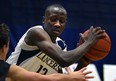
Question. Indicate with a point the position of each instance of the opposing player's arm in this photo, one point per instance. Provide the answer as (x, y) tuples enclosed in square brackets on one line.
[(17, 73), (41, 39)]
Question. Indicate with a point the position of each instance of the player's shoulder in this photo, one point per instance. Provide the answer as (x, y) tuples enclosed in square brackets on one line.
[(4, 65), (37, 27), (36, 31)]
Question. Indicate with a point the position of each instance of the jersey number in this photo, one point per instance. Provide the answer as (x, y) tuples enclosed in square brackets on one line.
[(45, 70)]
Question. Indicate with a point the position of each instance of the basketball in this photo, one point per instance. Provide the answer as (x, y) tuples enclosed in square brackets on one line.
[(100, 49)]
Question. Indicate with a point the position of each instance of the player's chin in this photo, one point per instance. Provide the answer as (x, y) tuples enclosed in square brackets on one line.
[(56, 33)]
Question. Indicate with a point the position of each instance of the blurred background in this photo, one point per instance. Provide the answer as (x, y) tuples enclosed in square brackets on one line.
[(20, 15)]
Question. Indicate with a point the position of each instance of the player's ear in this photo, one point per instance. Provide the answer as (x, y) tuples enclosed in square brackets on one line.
[(43, 19)]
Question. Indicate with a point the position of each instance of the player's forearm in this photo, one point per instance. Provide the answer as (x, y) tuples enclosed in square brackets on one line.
[(52, 77), (60, 77), (32, 76), (64, 58), (74, 55)]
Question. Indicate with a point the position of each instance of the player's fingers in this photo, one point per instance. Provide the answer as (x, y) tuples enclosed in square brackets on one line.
[(81, 35), (87, 72), (89, 77), (83, 69), (91, 29), (100, 31), (97, 29)]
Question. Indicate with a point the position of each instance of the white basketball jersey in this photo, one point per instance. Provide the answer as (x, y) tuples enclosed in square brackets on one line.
[(33, 59)]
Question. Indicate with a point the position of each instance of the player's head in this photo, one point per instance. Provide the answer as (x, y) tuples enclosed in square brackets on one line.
[(4, 40), (55, 19)]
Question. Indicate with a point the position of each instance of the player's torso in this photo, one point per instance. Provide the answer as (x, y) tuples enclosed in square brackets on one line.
[(41, 63), (37, 61), (33, 59)]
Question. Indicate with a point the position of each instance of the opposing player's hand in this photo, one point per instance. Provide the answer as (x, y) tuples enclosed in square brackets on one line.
[(80, 75)]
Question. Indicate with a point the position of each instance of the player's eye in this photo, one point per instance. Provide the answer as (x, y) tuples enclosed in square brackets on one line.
[(62, 21), (53, 19)]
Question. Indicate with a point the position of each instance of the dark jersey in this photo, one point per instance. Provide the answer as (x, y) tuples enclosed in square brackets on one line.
[(4, 68)]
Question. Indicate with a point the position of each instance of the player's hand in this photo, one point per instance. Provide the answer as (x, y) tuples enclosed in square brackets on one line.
[(80, 75), (93, 35)]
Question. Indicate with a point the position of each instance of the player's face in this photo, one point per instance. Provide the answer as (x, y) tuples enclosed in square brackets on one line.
[(55, 21)]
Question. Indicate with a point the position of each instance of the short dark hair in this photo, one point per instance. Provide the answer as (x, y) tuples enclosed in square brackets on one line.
[(55, 5), (4, 35)]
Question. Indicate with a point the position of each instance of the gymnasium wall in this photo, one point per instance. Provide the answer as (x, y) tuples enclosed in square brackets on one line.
[(22, 14)]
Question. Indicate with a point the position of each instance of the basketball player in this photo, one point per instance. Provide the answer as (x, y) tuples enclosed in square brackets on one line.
[(38, 50), (15, 73)]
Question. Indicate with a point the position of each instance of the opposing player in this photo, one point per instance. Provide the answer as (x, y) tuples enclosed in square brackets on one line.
[(15, 73), (38, 49)]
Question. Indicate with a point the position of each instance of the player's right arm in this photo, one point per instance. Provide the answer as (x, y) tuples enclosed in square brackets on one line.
[(40, 38), (17, 73)]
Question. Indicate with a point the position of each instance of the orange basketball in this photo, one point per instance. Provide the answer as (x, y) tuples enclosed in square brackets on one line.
[(100, 49)]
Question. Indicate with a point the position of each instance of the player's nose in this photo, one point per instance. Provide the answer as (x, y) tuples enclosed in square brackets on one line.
[(57, 24)]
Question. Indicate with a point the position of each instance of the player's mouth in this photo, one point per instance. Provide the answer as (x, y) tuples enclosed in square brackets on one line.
[(56, 31)]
